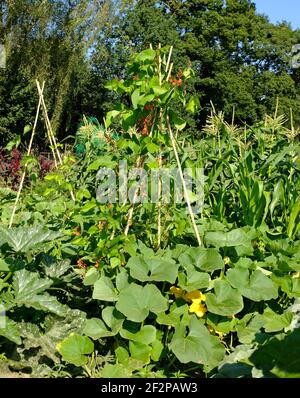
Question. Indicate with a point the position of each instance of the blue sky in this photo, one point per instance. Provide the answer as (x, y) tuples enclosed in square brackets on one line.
[(278, 10)]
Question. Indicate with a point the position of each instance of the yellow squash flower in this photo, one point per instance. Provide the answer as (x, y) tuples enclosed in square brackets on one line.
[(198, 308), (194, 295), (176, 291)]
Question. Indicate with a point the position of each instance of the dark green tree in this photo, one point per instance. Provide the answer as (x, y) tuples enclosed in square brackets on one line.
[(241, 60)]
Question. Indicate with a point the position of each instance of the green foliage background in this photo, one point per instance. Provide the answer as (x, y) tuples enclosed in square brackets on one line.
[(241, 60)]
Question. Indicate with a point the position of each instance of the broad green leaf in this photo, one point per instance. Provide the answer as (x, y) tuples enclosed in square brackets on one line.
[(45, 302), (74, 349), (256, 287), (248, 328), (27, 288), (9, 330), (146, 55), (193, 104), (146, 335), (91, 277), (122, 355), (11, 264), (153, 269), (25, 238), (117, 371), (104, 290), (54, 330), (225, 300), (86, 208), (83, 194), (114, 262), (54, 268), (112, 84), (177, 121), (234, 365), (279, 356), (171, 319), (110, 117), (157, 349), (193, 280), (103, 161), (137, 99), (15, 142), (113, 319), (140, 351), (204, 259), (274, 322), (26, 284), (236, 237), (198, 346), (288, 264), (122, 280), (160, 90), (96, 329), (135, 302)]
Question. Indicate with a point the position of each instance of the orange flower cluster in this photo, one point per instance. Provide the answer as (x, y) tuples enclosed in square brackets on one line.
[(81, 264), (76, 231), (177, 82), (148, 120)]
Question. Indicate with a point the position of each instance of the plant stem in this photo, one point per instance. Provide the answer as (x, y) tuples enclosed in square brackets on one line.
[(7, 277)]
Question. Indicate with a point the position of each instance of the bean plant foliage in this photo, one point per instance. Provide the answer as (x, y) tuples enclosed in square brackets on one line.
[(82, 298)]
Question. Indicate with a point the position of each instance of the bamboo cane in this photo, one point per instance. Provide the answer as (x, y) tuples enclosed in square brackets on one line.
[(48, 124), (28, 153), (130, 213), (187, 199), (51, 134)]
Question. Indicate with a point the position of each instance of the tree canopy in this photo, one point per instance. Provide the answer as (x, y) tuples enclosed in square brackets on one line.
[(242, 61)]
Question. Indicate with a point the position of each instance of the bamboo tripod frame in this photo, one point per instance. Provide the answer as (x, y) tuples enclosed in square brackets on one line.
[(53, 144)]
